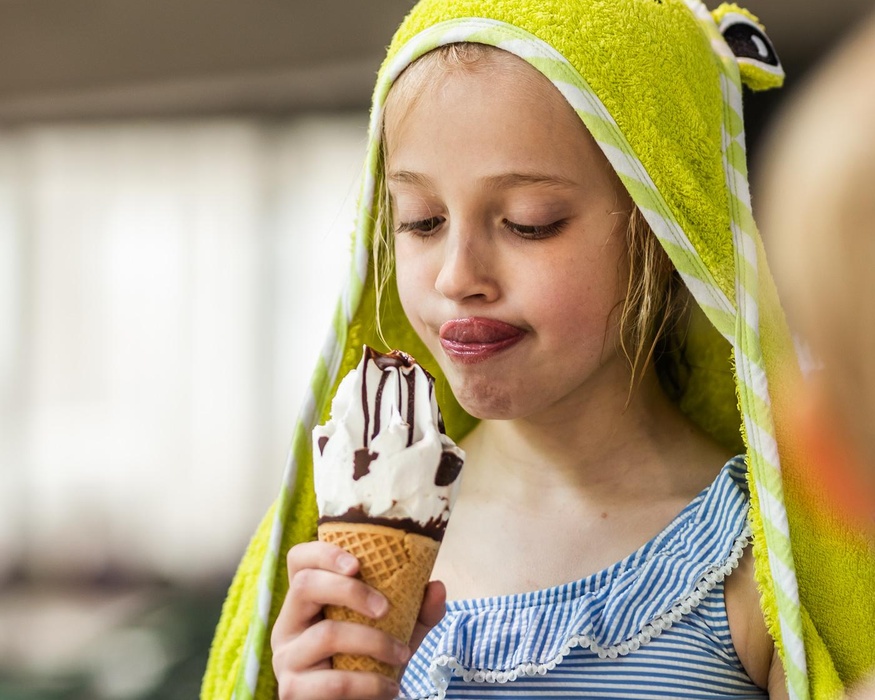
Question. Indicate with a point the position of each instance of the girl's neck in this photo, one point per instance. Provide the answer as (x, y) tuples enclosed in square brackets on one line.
[(593, 444)]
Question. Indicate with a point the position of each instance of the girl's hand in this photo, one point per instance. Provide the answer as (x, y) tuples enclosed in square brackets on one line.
[(303, 641)]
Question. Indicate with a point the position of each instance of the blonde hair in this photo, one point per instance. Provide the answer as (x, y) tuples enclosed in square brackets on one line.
[(819, 226), (651, 318)]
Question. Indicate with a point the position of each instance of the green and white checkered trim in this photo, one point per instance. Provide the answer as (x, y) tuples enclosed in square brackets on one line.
[(741, 329), (763, 459)]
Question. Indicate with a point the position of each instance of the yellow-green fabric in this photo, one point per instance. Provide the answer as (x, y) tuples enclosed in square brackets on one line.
[(650, 80)]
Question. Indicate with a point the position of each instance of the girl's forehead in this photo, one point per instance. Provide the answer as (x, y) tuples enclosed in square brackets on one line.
[(496, 126), (487, 93), (479, 65)]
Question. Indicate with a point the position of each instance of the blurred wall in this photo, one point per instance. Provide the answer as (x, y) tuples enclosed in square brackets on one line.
[(63, 59), (170, 287)]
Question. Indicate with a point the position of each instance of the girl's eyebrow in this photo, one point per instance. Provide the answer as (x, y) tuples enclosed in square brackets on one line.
[(406, 177), (497, 182), (509, 180)]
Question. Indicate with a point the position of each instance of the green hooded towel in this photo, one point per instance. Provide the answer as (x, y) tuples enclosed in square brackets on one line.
[(658, 84)]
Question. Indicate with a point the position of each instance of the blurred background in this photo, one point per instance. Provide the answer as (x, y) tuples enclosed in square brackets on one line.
[(177, 181)]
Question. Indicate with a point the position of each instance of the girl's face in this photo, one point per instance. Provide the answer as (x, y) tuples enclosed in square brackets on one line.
[(510, 245)]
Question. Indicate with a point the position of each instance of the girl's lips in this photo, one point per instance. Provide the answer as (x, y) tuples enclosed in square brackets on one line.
[(470, 340)]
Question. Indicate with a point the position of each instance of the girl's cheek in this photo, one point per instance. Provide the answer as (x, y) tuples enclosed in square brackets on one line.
[(414, 265), (411, 281)]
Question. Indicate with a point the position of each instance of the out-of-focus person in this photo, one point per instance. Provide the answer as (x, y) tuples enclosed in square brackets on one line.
[(818, 211)]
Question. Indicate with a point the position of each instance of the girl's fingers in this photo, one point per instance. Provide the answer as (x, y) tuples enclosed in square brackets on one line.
[(324, 639), (323, 574), (432, 611), (312, 589), (320, 555), (337, 685)]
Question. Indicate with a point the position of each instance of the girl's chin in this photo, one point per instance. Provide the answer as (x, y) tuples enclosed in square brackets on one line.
[(489, 414), (485, 393), (484, 401)]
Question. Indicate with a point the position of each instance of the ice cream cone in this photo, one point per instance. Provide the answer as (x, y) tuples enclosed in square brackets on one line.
[(395, 562), (386, 476)]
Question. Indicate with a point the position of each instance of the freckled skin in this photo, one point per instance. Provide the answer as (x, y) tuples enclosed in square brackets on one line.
[(560, 289)]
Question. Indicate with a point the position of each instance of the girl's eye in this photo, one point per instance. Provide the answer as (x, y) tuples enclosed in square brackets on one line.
[(422, 228), (535, 232)]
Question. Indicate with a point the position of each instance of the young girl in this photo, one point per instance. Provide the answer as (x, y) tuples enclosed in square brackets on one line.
[(548, 184)]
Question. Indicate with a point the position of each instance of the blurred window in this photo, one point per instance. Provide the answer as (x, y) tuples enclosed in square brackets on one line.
[(165, 289)]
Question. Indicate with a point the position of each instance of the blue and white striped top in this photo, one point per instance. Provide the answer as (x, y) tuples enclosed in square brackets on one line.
[(653, 625)]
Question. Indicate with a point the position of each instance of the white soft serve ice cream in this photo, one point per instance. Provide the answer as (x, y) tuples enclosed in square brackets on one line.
[(384, 456)]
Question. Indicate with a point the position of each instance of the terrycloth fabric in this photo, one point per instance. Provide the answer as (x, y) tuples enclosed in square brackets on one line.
[(659, 88), (659, 613)]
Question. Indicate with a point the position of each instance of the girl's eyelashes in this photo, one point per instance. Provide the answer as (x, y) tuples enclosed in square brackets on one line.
[(535, 232), (422, 228)]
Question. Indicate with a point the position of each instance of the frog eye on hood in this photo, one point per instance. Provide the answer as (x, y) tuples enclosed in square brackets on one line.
[(747, 40), (758, 61)]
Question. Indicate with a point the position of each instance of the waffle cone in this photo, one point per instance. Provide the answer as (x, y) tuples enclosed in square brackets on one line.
[(395, 562)]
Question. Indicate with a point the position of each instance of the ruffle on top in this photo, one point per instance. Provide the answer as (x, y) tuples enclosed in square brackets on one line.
[(613, 612)]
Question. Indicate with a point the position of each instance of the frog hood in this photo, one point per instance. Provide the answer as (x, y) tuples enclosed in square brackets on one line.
[(658, 83)]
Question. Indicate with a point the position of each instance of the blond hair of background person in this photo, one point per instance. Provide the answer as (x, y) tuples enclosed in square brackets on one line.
[(818, 214)]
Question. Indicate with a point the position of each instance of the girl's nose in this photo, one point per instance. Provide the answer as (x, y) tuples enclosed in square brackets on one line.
[(468, 269)]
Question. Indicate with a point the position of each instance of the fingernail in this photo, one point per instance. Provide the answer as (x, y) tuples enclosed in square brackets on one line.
[(402, 653), (378, 604), (393, 688), (346, 563)]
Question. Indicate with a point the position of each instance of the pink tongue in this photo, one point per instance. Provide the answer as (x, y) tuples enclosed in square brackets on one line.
[(478, 335), (481, 333)]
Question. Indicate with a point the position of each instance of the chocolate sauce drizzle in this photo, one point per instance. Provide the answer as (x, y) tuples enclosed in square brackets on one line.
[(411, 391), (433, 528), (362, 463), (377, 403), (448, 470), (393, 360), (322, 442), (450, 465), (388, 360)]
